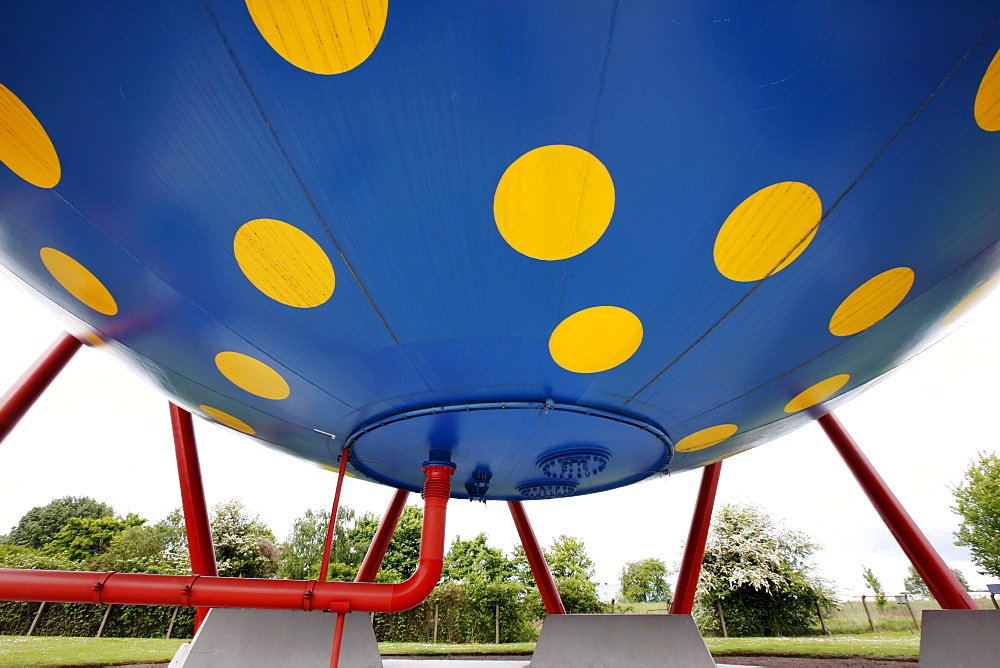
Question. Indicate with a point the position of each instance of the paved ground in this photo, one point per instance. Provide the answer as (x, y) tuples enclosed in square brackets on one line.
[(520, 661)]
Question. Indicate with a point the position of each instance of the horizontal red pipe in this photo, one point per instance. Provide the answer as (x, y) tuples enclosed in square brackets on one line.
[(694, 549), (26, 390), (945, 587), (380, 543), (219, 592)]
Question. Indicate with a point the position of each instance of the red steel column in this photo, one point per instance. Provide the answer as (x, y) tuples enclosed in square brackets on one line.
[(694, 549), (331, 529), (380, 543), (536, 560), (940, 580), (199, 532), (26, 390)]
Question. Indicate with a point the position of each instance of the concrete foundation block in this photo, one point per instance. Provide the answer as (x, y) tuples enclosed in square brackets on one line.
[(960, 639), (612, 641), (268, 638)]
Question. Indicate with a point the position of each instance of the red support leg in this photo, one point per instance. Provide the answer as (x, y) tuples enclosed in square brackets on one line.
[(694, 549), (199, 532), (331, 530), (380, 543), (940, 580), (23, 394), (536, 560), (338, 636)]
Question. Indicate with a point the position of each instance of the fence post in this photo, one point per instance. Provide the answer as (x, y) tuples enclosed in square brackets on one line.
[(38, 615), (435, 623), (906, 599), (498, 624), (104, 620), (868, 614), (822, 624), (173, 618), (722, 618)]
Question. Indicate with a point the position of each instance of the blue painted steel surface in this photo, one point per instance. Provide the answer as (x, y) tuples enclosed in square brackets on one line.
[(176, 123)]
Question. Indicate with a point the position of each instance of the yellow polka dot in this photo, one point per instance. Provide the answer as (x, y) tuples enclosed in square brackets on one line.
[(284, 263), (595, 339), (336, 470), (874, 300), (321, 36), (767, 231), (726, 456), (818, 393), (227, 419), (987, 108), (25, 147), (705, 438), (554, 202), (252, 375), (92, 339), (78, 281), (970, 300)]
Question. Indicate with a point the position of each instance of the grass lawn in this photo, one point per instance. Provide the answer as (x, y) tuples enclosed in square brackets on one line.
[(49, 651)]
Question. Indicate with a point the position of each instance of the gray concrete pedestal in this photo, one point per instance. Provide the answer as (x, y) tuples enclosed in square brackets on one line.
[(960, 639), (268, 638), (612, 641)]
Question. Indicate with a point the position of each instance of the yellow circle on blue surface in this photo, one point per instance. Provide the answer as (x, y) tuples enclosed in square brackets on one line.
[(817, 394), (873, 300), (225, 418), (987, 106), (284, 263), (595, 339), (78, 281), (767, 231), (252, 375), (705, 438), (321, 36), (554, 202), (969, 301), (25, 147)]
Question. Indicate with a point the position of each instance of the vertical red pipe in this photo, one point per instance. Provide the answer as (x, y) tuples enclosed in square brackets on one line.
[(940, 580), (380, 543), (536, 560), (331, 529), (694, 549), (26, 390), (199, 531), (338, 636)]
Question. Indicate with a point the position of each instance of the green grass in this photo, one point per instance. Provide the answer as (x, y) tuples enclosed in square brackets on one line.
[(50, 651), (872, 645), (388, 648)]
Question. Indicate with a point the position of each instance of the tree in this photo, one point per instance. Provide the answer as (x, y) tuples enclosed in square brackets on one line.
[(141, 549), (914, 585), (644, 581), (40, 524), (977, 501), (759, 574), (401, 557), (302, 551), (244, 546), (473, 561), (568, 559), (19, 556), (83, 538), (876, 586)]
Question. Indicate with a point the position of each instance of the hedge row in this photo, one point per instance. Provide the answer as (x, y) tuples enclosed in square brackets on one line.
[(84, 619)]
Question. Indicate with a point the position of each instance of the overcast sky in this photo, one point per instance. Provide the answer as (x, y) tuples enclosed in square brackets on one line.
[(102, 431)]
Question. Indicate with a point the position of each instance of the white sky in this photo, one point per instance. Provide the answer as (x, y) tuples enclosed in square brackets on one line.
[(102, 431)]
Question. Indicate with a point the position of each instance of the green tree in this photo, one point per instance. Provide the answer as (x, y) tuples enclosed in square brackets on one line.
[(19, 556), (977, 501), (39, 525), (876, 586), (302, 552), (141, 549), (644, 581), (403, 553), (568, 560), (914, 585), (759, 574), (473, 561), (83, 538), (244, 546)]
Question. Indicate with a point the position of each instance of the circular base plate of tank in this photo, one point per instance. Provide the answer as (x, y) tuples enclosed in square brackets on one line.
[(515, 450)]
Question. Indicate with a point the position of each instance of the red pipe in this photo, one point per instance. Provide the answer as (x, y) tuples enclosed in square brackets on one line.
[(218, 592), (694, 549), (199, 532), (338, 636), (945, 587), (536, 560), (331, 529), (26, 390), (380, 543)]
